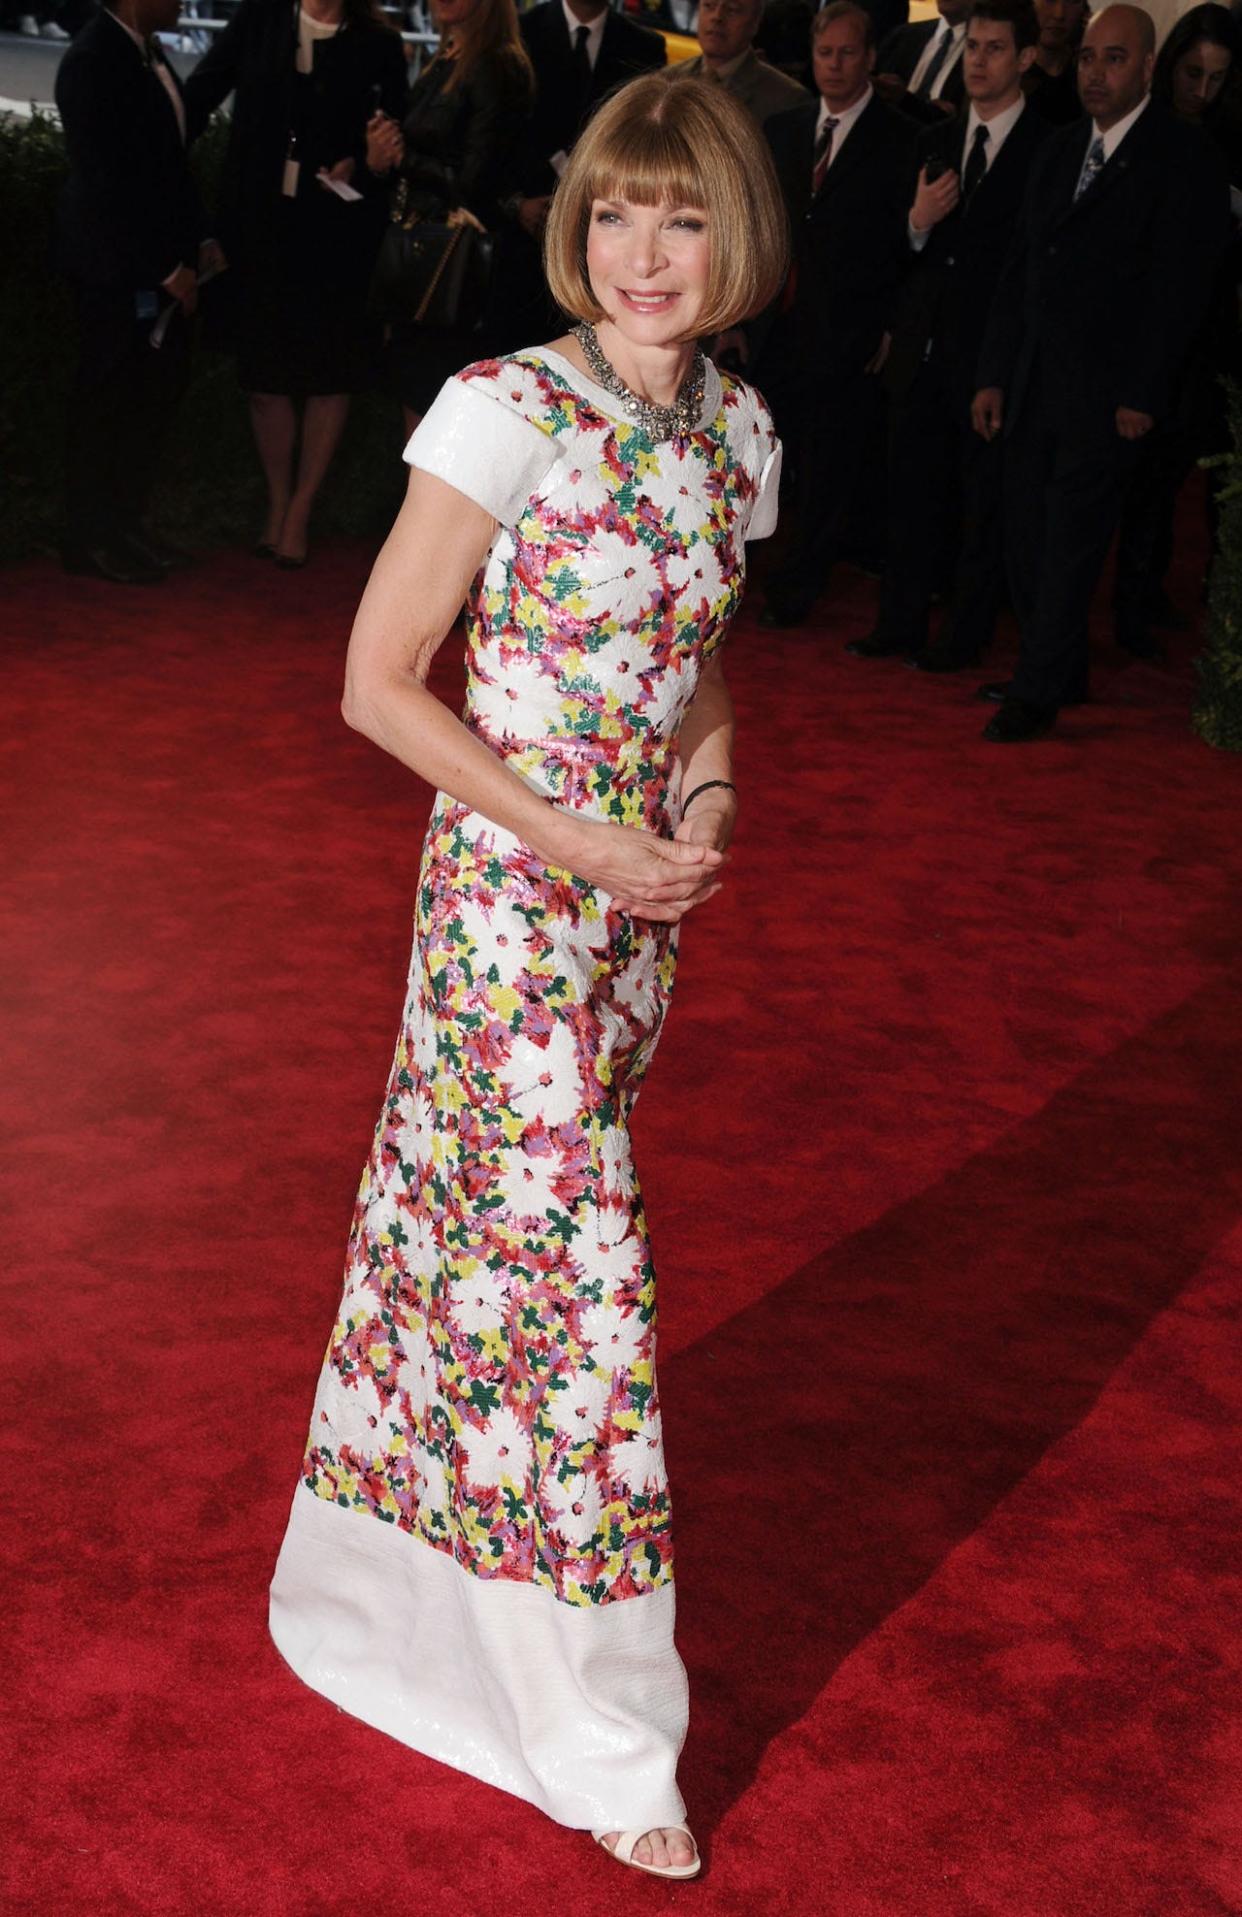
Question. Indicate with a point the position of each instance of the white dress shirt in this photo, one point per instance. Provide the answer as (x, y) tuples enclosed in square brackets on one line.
[(958, 34), (998, 128), (846, 121), (1116, 134), (595, 31)]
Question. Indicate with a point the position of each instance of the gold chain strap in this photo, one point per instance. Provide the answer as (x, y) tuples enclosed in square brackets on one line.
[(438, 275)]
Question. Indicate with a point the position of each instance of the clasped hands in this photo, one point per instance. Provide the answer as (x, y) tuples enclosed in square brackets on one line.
[(385, 144), (654, 878)]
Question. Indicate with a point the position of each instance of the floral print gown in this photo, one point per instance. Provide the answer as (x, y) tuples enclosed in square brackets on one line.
[(479, 1557)]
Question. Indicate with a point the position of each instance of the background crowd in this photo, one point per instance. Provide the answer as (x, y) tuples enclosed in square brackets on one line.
[(1014, 282)]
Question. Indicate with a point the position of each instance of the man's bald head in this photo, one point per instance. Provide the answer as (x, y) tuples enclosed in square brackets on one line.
[(1115, 64), (1129, 21)]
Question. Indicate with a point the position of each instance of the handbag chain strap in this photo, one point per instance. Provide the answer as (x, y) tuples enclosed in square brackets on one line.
[(438, 275), (403, 215)]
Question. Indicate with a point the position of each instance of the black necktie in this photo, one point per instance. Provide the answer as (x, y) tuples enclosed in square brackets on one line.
[(923, 90), (582, 62), (976, 162)]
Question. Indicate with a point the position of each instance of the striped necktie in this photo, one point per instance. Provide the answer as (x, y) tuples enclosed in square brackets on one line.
[(823, 155)]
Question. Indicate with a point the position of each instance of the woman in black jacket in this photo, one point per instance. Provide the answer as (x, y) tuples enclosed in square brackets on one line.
[(308, 76), (457, 153)]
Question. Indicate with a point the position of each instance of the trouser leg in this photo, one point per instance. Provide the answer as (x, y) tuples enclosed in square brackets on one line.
[(924, 502), (1081, 503), (122, 402), (979, 580), (159, 380), (830, 453), (1145, 533), (98, 409)]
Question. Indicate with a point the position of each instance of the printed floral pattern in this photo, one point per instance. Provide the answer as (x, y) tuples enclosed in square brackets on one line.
[(490, 1384)]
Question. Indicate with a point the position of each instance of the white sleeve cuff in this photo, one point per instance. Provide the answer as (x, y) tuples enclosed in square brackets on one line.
[(475, 444), (762, 523)]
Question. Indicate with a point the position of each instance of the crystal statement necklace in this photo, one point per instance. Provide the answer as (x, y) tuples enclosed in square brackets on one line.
[(677, 421)]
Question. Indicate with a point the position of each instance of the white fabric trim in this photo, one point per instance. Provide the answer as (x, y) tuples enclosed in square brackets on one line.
[(581, 1711), (762, 522), (475, 444)]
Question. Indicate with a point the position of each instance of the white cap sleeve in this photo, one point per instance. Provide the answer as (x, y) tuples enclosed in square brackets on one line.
[(476, 444), (762, 522)]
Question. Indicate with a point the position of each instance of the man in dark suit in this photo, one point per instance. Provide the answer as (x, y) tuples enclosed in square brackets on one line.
[(944, 481), (919, 68), (580, 50), (1112, 264), (130, 229), (845, 164)]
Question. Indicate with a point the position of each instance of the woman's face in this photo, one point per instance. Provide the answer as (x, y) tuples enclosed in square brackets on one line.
[(451, 13), (1060, 23), (1198, 78), (648, 267)]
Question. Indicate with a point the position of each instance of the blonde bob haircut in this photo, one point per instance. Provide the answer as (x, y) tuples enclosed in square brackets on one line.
[(672, 142)]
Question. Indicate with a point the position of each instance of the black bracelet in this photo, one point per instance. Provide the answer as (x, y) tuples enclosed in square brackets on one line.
[(707, 785)]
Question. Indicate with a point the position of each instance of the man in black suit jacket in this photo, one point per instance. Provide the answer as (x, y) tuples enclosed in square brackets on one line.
[(581, 50), (919, 68), (944, 481), (130, 228), (844, 163), (1124, 222)]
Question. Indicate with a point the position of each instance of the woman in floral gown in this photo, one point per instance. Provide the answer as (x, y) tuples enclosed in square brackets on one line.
[(479, 1556)]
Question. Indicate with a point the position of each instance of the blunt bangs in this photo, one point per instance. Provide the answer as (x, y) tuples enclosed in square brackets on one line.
[(665, 141)]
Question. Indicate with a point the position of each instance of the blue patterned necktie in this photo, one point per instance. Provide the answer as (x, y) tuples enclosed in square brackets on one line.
[(1093, 166)]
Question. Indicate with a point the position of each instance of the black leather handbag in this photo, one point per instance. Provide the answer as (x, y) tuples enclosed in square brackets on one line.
[(431, 273)]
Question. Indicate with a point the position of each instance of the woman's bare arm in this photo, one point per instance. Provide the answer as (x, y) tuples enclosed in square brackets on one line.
[(415, 591)]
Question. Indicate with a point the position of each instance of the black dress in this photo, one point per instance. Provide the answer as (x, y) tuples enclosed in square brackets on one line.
[(463, 147), (302, 262)]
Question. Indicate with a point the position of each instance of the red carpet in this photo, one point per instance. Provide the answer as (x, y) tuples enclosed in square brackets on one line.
[(941, 1151)]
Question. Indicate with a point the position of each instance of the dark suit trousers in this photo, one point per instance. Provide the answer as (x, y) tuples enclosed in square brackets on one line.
[(825, 416), (1064, 481), (121, 407), (945, 520)]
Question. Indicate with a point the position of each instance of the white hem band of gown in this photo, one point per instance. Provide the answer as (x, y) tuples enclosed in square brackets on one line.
[(580, 1710)]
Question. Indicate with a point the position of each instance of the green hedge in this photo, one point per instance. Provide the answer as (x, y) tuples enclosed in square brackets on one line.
[(211, 491)]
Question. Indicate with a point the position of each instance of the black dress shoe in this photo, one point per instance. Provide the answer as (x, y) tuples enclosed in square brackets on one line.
[(1016, 722), (140, 547), (878, 645), (998, 690), (158, 551), (117, 564)]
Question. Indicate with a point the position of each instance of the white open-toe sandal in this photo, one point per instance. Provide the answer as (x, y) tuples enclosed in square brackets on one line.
[(624, 1852)]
